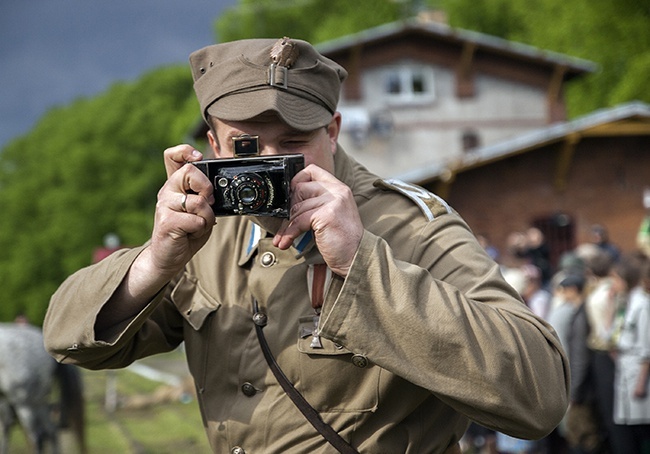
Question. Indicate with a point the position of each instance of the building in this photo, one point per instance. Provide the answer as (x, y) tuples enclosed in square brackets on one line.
[(420, 92), (561, 178)]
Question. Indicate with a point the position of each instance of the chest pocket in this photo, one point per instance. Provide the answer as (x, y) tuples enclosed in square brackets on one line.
[(332, 378), (194, 303), (196, 307)]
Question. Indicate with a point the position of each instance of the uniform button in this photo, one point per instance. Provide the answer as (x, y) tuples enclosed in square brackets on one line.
[(248, 389), (237, 450), (268, 259), (359, 360), (260, 319)]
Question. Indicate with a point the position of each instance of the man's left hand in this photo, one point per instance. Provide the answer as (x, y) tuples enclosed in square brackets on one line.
[(322, 203)]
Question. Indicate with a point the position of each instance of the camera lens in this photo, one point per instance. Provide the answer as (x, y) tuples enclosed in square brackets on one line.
[(247, 195), (249, 191)]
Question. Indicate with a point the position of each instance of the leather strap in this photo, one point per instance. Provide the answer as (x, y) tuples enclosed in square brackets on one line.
[(299, 401)]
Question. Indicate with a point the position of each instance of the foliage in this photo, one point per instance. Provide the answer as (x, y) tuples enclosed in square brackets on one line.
[(85, 170), (613, 33), (312, 20)]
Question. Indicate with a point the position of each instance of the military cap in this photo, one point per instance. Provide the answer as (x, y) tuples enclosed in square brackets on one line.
[(239, 80)]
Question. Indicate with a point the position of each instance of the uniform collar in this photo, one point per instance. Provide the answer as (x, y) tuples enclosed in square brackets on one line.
[(254, 233)]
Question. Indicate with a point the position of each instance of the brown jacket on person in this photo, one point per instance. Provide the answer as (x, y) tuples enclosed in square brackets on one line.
[(423, 334)]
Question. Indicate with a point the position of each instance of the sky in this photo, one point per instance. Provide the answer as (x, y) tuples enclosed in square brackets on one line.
[(55, 51)]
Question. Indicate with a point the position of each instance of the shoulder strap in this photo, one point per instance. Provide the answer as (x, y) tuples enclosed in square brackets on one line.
[(430, 204), (307, 410)]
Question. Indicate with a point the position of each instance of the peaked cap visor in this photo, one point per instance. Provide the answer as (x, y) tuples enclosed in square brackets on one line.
[(292, 109)]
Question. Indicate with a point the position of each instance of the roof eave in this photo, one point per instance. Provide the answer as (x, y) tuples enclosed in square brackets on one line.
[(574, 65)]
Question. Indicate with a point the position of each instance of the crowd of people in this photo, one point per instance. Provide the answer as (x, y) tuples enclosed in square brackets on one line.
[(598, 301)]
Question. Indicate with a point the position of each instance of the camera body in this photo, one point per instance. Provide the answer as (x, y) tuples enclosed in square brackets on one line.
[(253, 186)]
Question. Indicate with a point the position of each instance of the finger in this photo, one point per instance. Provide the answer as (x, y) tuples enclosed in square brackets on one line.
[(313, 173), (194, 219), (307, 199), (288, 234), (190, 180), (184, 203), (194, 204), (175, 226), (176, 157), (307, 190), (300, 222)]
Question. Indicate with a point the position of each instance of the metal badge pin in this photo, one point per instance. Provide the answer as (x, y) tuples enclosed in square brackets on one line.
[(315, 340)]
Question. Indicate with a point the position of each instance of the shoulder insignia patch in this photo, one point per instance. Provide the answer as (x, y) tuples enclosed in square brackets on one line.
[(430, 204)]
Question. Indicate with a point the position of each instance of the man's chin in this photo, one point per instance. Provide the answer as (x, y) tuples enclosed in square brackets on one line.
[(268, 223)]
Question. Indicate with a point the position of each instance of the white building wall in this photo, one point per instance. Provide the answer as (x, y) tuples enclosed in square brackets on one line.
[(428, 131)]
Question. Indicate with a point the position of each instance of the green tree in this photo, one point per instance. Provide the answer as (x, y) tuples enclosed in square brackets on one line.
[(87, 169), (613, 33), (312, 20)]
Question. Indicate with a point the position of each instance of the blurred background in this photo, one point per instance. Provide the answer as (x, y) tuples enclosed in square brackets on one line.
[(531, 120)]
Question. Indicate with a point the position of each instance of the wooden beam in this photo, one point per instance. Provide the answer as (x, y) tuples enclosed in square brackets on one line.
[(564, 161), (352, 86), (619, 128), (555, 84), (444, 183), (554, 100), (464, 80)]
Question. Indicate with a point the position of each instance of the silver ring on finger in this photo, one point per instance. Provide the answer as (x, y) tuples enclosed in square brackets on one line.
[(183, 203)]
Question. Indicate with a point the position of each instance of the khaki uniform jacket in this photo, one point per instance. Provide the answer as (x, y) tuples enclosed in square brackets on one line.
[(423, 334)]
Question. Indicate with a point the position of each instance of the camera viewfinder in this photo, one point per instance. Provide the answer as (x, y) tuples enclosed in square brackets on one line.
[(244, 146)]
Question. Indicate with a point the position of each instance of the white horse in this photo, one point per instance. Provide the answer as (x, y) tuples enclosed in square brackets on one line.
[(27, 373)]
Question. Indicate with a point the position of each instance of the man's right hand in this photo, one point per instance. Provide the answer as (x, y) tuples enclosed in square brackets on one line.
[(183, 222), (184, 218)]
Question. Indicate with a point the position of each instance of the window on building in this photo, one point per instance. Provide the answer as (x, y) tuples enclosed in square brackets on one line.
[(394, 84), (470, 140), (409, 84)]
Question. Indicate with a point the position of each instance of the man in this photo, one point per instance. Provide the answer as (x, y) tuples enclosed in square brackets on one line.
[(600, 237), (378, 303), (569, 318)]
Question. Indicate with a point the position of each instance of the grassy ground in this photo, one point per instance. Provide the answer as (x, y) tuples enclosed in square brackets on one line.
[(138, 425)]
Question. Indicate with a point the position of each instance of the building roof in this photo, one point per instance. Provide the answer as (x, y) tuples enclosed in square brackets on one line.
[(574, 66), (627, 119)]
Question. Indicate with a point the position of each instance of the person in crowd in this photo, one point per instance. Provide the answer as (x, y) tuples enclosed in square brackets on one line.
[(535, 295), (538, 253), (371, 320), (530, 248), (600, 237), (632, 397), (581, 429), (602, 305)]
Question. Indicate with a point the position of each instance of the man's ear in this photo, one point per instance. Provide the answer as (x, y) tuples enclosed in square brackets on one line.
[(214, 143), (333, 130)]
